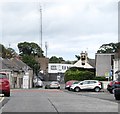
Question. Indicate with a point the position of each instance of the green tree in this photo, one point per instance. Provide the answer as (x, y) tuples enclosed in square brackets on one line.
[(78, 57), (5, 53), (30, 61), (27, 48), (28, 51), (12, 52), (55, 59), (109, 48)]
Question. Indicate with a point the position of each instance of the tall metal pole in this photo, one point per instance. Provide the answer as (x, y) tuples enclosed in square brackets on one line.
[(41, 28), (46, 47)]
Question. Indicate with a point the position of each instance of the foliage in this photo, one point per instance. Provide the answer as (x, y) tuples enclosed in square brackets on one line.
[(101, 78), (109, 48), (78, 57), (76, 74), (55, 59), (12, 52), (5, 53), (27, 48), (28, 51), (30, 61)]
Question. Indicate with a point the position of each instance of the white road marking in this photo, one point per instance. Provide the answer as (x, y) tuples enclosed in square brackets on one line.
[(1, 99)]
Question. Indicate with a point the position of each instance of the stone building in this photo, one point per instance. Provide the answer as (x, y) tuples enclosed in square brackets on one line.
[(16, 70)]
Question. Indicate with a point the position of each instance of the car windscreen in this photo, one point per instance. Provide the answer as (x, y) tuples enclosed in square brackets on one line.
[(3, 76)]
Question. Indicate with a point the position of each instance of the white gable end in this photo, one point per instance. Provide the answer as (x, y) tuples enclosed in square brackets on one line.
[(79, 64)]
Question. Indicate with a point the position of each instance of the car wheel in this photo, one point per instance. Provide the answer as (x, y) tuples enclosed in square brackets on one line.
[(77, 89), (7, 94), (111, 91), (97, 89), (117, 97), (117, 94)]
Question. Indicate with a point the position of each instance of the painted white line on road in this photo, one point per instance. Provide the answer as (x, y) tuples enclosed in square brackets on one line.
[(1, 99)]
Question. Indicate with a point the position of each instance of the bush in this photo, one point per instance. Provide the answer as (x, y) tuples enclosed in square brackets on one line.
[(101, 78), (76, 74)]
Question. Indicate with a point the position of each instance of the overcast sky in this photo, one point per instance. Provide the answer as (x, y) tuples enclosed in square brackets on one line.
[(69, 26)]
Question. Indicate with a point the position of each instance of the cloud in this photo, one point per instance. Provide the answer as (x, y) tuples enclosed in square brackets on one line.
[(70, 26)]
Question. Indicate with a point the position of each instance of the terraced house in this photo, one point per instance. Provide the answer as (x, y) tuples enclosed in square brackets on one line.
[(16, 70)]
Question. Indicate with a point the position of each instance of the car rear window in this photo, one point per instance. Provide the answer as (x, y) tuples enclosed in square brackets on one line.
[(75, 82), (2, 75)]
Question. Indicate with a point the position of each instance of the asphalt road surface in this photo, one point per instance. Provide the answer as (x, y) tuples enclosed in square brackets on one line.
[(51, 100)]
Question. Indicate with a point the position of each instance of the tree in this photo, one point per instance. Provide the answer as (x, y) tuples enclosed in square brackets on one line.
[(30, 61), (12, 52), (27, 48), (55, 59), (28, 51), (78, 57), (109, 48), (5, 53)]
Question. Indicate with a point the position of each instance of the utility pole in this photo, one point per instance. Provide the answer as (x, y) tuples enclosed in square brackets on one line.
[(41, 28), (46, 47)]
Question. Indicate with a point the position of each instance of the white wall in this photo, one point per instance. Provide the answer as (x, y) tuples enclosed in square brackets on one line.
[(58, 68), (116, 68)]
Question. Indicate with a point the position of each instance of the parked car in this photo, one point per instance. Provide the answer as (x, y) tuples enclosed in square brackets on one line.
[(87, 85), (69, 83), (4, 84), (37, 82), (117, 93), (112, 85), (53, 85)]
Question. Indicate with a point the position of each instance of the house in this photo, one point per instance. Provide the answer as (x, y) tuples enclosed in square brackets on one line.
[(85, 62), (16, 70), (56, 70)]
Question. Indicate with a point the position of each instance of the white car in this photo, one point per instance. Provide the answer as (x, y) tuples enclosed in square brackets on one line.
[(87, 85), (37, 82)]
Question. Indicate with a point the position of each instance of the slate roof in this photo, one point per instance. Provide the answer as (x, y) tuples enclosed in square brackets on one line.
[(13, 64), (92, 62)]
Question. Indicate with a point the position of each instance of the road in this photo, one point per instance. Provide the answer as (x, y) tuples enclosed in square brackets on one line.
[(41, 100)]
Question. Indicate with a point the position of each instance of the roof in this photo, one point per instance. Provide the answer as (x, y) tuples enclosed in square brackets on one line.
[(90, 63), (13, 64)]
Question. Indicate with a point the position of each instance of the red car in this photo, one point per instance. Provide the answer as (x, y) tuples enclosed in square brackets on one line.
[(4, 84), (113, 85), (69, 83), (117, 93)]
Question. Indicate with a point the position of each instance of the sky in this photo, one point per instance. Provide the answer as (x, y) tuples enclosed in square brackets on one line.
[(68, 26)]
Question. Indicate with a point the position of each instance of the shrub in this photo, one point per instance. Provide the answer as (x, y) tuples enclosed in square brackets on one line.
[(76, 74), (101, 78)]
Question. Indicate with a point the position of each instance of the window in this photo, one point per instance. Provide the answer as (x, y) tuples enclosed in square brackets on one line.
[(53, 67), (92, 82), (84, 82), (2, 75), (63, 67)]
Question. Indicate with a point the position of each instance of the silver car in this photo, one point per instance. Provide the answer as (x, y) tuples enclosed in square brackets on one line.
[(53, 85)]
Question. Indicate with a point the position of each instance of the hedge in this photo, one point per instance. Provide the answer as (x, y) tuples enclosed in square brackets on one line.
[(78, 75)]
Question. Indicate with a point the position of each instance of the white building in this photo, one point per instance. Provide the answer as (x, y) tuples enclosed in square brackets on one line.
[(85, 62), (116, 68), (57, 69)]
